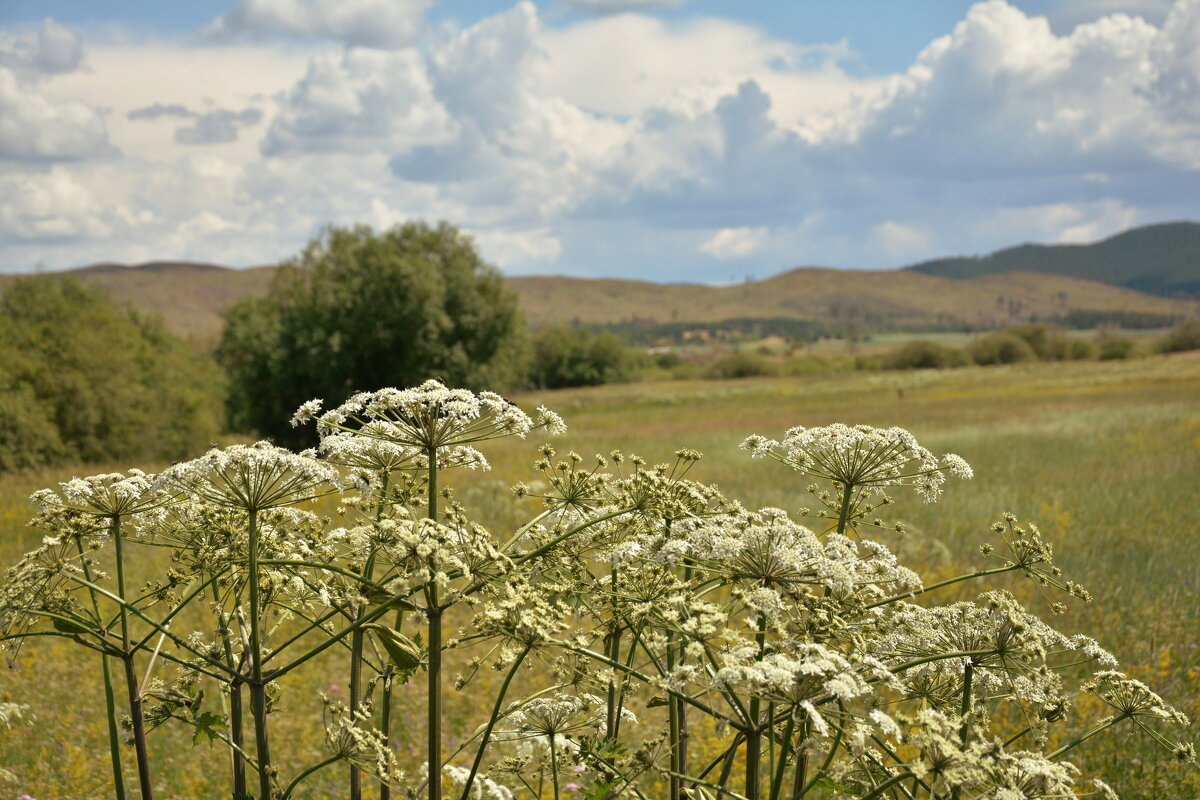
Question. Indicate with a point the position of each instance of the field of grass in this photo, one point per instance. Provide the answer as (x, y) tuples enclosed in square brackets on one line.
[(1105, 457)]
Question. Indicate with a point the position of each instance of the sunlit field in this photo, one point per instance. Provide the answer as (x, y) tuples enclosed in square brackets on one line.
[(1105, 457)]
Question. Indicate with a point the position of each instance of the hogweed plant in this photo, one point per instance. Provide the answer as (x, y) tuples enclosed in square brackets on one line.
[(653, 637)]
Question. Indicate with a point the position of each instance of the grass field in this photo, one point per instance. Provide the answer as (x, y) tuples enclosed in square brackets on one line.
[(1105, 457)]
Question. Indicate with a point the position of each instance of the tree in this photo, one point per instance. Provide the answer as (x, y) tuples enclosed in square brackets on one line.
[(84, 380), (359, 309), (565, 356)]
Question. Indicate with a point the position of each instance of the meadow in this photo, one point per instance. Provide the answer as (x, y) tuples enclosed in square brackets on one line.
[(1104, 456)]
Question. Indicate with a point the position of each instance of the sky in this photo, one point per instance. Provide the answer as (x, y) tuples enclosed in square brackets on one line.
[(669, 140)]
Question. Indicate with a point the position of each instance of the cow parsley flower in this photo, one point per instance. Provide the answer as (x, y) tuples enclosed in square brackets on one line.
[(861, 457), (250, 477)]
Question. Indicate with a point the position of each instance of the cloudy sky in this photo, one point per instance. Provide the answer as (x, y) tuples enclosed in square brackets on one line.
[(662, 139)]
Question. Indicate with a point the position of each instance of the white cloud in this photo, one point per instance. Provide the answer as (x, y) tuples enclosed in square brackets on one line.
[(522, 249), (373, 23), (51, 49), (359, 99), (730, 243), (901, 240), (36, 128)]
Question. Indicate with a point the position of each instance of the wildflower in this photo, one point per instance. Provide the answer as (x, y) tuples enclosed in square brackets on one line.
[(250, 477), (862, 456)]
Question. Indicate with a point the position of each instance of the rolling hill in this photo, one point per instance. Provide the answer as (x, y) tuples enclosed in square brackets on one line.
[(191, 298), (1159, 259)]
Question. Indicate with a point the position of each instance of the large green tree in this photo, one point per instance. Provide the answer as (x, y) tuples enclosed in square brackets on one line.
[(82, 379), (359, 309)]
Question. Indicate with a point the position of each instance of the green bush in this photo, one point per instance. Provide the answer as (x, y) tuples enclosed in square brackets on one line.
[(1080, 350), (358, 308), (924, 354), (1113, 346), (742, 365), (817, 364), (1000, 347), (565, 356), (83, 380), (1184, 336)]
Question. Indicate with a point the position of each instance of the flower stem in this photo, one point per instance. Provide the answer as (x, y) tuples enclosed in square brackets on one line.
[(487, 733), (131, 682), (434, 704), (258, 688)]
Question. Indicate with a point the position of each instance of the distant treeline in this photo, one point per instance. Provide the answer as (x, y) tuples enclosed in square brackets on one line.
[(85, 380)]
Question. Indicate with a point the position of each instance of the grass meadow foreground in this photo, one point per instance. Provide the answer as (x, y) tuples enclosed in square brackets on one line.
[(1103, 457)]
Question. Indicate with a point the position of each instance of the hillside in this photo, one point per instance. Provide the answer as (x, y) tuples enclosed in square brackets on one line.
[(1159, 259), (191, 297)]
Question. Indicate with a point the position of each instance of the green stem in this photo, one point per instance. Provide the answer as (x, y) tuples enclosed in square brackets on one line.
[(785, 744), (237, 764), (983, 573), (434, 704), (487, 733), (287, 793), (258, 688), (554, 766), (1078, 740), (965, 710), (114, 736), (131, 683), (845, 510)]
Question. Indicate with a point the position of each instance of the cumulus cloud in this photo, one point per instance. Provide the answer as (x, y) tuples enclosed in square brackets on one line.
[(355, 99), (51, 49), (372, 23), (729, 243)]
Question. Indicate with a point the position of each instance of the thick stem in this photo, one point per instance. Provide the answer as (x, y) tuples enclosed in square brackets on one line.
[(434, 704), (238, 764), (785, 744), (385, 723), (114, 736), (258, 688), (110, 705), (844, 514), (965, 710), (131, 683), (139, 728), (554, 766)]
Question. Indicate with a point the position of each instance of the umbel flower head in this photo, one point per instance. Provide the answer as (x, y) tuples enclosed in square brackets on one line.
[(861, 457), (249, 477), (111, 494), (428, 417)]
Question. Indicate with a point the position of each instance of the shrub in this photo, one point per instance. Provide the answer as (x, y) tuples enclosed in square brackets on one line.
[(742, 365), (1000, 347), (923, 354), (358, 308), (565, 356), (83, 380), (1184, 336), (1113, 346)]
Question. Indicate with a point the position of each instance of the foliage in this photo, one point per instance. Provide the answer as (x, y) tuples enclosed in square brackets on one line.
[(1183, 337), (82, 380), (1000, 347), (742, 365), (649, 609), (565, 356), (924, 354), (1112, 345), (358, 308)]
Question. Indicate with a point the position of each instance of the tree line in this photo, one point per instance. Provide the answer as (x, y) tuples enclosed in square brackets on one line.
[(85, 380)]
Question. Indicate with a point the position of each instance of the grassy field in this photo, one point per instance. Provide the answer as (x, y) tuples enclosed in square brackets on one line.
[(1105, 457)]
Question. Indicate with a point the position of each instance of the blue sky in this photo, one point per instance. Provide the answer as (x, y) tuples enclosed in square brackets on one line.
[(660, 139)]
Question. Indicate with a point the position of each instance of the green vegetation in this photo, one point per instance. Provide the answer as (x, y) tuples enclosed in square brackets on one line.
[(1041, 437), (564, 356), (359, 309), (1183, 337), (82, 380), (1159, 259)]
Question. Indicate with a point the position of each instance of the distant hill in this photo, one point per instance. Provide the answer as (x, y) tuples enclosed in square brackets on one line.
[(191, 298), (1159, 259)]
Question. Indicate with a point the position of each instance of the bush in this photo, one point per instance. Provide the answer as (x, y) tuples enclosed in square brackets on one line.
[(817, 364), (358, 308), (565, 356), (1184, 336), (1080, 350), (742, 365), (1000, 347), (83, 380), (924, 354), (1113, 346)]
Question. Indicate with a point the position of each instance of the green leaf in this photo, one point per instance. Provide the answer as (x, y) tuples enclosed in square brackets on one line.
[(402, 651), (658, 701), (207, 724), (379, 597), (67, 626), (599, 792)]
